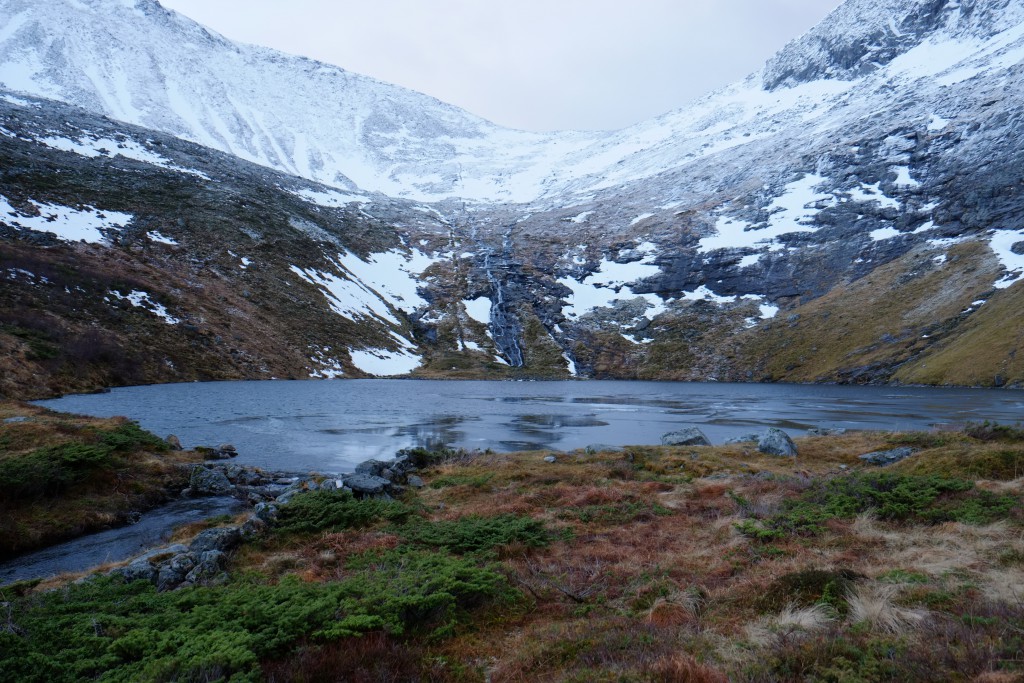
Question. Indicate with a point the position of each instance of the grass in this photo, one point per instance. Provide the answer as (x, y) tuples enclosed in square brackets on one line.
[(599, 567)]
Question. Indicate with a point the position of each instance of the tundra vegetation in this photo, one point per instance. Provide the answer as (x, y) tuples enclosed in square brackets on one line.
[(659, 563)]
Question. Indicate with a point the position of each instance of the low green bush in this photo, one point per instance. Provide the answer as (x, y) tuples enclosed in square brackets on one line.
[(52, 470), (891, 497), (318, 511), (475, 534), (106, 630)]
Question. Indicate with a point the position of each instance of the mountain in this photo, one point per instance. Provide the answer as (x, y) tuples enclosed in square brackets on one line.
[(852, 212)]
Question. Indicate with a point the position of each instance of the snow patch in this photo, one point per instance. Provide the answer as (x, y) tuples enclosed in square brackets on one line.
[(884, 234), (106, 147), (479, 309), (641, 218), (68, 224), (1001, 242), (385, 363), (903, 178), (141, 299), (155, 236)]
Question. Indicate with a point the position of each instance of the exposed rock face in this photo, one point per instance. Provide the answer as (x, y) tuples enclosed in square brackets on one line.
[(209, 482)]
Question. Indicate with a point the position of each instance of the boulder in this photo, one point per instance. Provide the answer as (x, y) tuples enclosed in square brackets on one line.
[(139, 570), (220, 539), (366, 484), (550, 458), (691, 436), (209, 567), (883, 458), (372, 467), (208, 482), (776, 442), (173, 442), (826, 431), (266, 512), (415, 482), (172, 573), (752, 437)]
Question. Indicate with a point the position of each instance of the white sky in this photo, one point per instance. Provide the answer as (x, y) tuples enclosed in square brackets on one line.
[(529, 64)]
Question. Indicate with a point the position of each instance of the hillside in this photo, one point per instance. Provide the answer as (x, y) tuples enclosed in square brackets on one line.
[(850, 213)]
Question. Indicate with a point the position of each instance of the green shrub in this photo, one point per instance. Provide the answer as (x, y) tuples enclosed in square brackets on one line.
[(336, 510), (477, 481), (52, 470), (993, 431), (892, 497), (475, 534), (109, 631)]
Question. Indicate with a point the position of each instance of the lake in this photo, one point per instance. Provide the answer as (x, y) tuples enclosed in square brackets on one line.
[(330, 426)]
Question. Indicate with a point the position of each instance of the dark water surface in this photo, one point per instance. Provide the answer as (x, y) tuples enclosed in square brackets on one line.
[(329, 426)]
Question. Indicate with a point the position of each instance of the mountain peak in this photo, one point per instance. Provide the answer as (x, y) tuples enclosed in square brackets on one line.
[(862, 36)]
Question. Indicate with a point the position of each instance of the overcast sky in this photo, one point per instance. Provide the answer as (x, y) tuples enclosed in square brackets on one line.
[(529, 64)]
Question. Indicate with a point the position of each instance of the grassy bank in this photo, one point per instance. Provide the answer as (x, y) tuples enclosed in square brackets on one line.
[(651, 564), (64, 475)]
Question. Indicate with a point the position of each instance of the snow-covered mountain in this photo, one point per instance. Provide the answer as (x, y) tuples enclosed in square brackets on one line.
[(851, 212)]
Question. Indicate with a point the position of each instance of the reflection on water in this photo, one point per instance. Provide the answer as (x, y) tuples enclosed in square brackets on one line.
[(331, 426)]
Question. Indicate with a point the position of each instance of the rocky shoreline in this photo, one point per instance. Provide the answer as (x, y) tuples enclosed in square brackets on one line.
[(203, 560)]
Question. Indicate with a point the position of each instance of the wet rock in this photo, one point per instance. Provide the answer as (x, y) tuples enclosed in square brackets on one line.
[(173, 442), (366, 484), (220, 539), (776, 442), (208, 482), (883, 458), (691, 436)]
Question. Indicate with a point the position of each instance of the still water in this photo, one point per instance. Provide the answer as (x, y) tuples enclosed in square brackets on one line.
[(330, 426)]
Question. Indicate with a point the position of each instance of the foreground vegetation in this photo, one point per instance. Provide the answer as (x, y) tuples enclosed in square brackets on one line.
[(63, 475), (651, 564)]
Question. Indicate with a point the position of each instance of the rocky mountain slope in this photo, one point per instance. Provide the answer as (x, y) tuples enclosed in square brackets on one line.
[(852, 212)]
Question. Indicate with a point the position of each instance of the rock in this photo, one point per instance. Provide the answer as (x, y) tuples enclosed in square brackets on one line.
[(287, 496), (601, 448), (227, 448), (691, 436), (173, 442), (172, 573), (225, 451), (387, 473), (253, 526), (882, 458), (250, 477), (209, 567), (15, 420), (550, 458), (415, 482), (826, 431), (776, 442), (208, 482), (752, 437), (372, 467), (286, 481), (331, 484), (366, 484), (139, 570), (220, 539), (266, 512)]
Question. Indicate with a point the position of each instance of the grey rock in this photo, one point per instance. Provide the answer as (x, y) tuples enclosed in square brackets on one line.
[(14, 420), (776, 442), (601, 448), (286, 481), (227, 448), (372, 467), (209, 566), (266, 512), (691, 436), (173, 442), (415, 482), (752, 437), (550, 458), (173, 572), (287, 496), (253, 526), (205, 481), (220, 539), (882, 458), (388, 473), (366, 484), (139, 570), (826, 431), (331, 484)]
